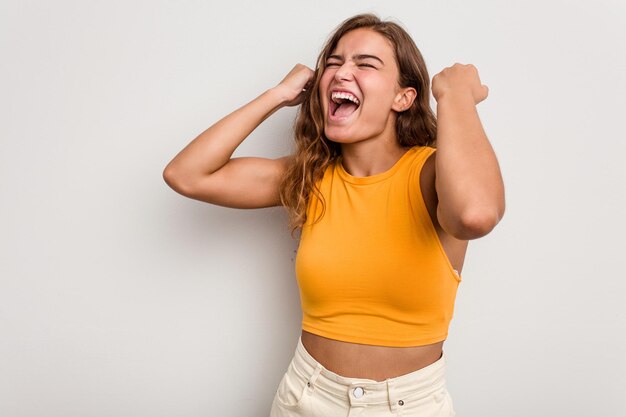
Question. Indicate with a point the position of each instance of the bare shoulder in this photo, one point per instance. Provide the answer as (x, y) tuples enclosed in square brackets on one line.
[(454, 248)]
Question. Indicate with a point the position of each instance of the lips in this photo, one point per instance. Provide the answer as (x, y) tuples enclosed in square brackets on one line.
[(341, 111), (342, 90)]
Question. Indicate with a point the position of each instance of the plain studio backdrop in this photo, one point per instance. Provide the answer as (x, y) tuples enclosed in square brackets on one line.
[(119, 297)]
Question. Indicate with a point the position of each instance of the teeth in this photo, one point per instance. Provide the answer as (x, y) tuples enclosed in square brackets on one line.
[(336, 96)]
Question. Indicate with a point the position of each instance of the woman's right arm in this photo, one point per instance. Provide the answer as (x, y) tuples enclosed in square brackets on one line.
[(204, 169)]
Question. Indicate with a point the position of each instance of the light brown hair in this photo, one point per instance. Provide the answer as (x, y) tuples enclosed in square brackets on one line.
[(416, 126)]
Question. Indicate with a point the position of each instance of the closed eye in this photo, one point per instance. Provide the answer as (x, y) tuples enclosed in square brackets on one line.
[(330, 64)]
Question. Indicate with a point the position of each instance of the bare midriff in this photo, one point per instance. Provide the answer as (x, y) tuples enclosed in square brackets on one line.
[(356, 360)]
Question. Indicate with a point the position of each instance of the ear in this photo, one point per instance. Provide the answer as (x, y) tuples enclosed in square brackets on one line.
[(404, 99)]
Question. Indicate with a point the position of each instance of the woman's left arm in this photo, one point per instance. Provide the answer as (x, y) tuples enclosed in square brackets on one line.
[(468, 180)]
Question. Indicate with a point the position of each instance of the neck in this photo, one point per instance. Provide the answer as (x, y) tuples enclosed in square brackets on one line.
[(367, 158), (372, 156)]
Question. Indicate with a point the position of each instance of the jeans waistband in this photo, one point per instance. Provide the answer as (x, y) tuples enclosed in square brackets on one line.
[(361, 391)]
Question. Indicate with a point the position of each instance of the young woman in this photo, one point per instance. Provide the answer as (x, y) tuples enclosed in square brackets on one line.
[(384, 219)]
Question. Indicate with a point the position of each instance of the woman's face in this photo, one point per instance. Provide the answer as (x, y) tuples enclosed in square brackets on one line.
[(363, 67)]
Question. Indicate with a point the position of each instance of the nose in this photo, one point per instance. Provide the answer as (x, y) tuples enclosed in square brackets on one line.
[(344, 72)]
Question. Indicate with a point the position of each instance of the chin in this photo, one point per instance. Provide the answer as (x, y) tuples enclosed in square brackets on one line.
[(339, 135)]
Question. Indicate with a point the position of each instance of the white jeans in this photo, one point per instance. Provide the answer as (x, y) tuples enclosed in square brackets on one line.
[(310, 390)]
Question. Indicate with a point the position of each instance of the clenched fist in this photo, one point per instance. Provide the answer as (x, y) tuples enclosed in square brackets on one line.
[(295, 84), (459, 79)]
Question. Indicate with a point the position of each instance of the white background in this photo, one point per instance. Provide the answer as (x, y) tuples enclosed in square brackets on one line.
[(119, 297)]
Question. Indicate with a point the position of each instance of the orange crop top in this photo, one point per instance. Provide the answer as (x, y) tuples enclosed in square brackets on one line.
[(373, 270)]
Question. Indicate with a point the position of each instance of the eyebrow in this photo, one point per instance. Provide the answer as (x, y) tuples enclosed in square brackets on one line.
[(358, 57)]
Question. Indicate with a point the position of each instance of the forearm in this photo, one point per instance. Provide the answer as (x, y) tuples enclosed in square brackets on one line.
[(214, 147), (468, 179)]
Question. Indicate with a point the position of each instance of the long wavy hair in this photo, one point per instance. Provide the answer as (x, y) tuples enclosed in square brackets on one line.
[(416, 126)]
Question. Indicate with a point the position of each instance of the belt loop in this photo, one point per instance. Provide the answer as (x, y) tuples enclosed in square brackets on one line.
[(391, 392), (316, 372)]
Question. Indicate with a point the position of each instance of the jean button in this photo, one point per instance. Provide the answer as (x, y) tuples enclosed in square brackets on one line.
[(358, 392)]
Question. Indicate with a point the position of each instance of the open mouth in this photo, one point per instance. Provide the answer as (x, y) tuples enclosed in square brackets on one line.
[(342, 105)]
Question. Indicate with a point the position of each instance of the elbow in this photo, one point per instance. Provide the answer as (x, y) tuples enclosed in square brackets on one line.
[(173, 180), (168, 176), (475, 224)]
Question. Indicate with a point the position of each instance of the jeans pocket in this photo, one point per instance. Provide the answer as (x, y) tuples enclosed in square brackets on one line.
[(291, 390)]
